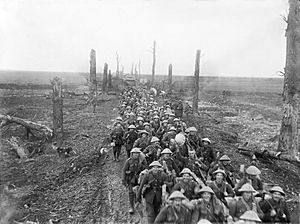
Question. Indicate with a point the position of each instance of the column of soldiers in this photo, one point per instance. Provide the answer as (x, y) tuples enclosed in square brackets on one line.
[(180, 176)]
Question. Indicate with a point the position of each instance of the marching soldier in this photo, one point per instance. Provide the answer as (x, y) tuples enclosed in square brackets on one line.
[(117, 140), (251, 176), (153, 151), (245, 203), (220, 187), (224, 163), (168, 163), (152, 190), (207, 152), (143, 141), (168, 136), (208, 207), (129, 138), (275, 209), (175, 212), (130, 174), (187, 185)]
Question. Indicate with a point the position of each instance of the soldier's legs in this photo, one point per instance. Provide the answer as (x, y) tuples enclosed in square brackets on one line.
[(156, 205), (114, 152), (131, 195), (118, 151), (150, 212)]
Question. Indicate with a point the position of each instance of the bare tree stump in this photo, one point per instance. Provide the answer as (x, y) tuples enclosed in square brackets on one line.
[(104, 81), (154, 62), (170, 79), (196, 83), (57, 110), (93, 80), (109, 81), (288, 138)]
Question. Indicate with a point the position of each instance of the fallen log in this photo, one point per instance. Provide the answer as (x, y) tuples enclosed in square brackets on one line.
[(29, 125), (267, 154)]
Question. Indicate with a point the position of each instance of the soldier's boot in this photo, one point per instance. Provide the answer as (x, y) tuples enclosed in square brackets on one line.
[(131, 202)]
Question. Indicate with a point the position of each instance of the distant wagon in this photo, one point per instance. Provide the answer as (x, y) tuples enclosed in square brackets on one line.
[(129, 80)]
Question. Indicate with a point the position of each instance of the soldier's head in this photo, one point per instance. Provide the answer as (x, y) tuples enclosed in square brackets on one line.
[(176, 121), (135, 153), (147, 126), (166, 153), (186, 174), (192, 131), (206, 193), (155, 166), (225, 160), (164, 123), (220, 175), (206, 141), (252, 172), (131, 128), (277, 193), (247, 191), (192, 154), (176, 198)]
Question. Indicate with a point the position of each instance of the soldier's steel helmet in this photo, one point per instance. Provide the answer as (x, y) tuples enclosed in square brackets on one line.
[(224, 158), (131, 126), (135, 150), (166, 151), (253, 170), (155, 163), (220, 171), (247, 188), (206, 189), (186, 171), (177, 194), (277, 189), (251, 216), (154, 139)]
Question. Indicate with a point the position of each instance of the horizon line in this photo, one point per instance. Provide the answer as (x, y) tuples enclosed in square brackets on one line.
[(201, 75)]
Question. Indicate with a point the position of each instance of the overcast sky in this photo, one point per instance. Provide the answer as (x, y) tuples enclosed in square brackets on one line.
[(236, 37)]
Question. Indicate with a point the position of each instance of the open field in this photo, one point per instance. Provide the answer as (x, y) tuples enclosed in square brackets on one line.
[(86, 188)]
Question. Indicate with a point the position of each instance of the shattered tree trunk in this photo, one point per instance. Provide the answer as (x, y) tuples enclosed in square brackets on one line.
[(170, 79), (93, 80), (57, 110), (104, 81), (29, 125), (139, 78), (288, 138), (109, 80), (153, 64), (268, 155), (196, 83), (118, 66)]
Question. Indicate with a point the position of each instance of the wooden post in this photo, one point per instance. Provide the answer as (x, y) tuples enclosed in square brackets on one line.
[(57, 110), (153, 64), (109, 80), (135, 73), (118, 69), (139, 78), (288, 138), (170, 79), (93, 81), (131, 73), (104, 80), (196, 83)]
